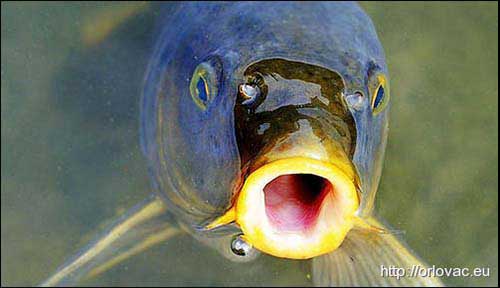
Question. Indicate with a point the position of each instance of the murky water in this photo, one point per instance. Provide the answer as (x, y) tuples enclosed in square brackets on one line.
[(71, 159)]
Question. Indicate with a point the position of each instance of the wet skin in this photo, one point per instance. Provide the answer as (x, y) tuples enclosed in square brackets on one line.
[(265, 125), (306, 64)]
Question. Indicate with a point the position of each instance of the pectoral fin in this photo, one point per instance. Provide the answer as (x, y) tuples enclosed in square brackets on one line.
[(362, 257), (143, 226)]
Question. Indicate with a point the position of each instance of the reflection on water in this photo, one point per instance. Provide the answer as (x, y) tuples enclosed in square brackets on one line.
[(71, 159)]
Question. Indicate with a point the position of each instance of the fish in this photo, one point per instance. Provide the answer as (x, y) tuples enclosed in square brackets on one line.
[(264, 126)]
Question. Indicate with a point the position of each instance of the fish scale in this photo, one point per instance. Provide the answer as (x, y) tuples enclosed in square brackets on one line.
[(210, 159)]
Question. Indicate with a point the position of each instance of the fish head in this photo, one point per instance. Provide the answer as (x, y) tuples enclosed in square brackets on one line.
[(269, 116)]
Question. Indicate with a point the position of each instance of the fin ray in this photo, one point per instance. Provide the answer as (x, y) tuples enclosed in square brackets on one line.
[(358, 261), (143, 226)]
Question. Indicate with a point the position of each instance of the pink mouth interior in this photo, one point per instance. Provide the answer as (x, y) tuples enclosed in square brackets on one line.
[(293, 201)]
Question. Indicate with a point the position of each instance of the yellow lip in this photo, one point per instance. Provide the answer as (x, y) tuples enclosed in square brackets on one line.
[(335, 214)]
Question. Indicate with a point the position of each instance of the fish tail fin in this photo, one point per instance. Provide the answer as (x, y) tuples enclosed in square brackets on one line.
[(372, 255), (145, 225)]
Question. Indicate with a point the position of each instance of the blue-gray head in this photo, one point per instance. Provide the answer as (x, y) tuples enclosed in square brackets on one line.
[(270, 115)]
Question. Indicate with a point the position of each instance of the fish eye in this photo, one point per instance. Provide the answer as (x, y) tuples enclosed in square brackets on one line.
[(202, 89), (203, 85), (380, 96)]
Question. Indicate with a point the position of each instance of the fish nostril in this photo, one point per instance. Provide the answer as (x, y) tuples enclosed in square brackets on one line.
[(355, 100), (249, 93)]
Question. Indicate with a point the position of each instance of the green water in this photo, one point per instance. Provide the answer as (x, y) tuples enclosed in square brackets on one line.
[(70, 157)]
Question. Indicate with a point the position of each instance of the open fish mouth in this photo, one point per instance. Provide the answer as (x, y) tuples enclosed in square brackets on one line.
[(296, 207), (293, 201)]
